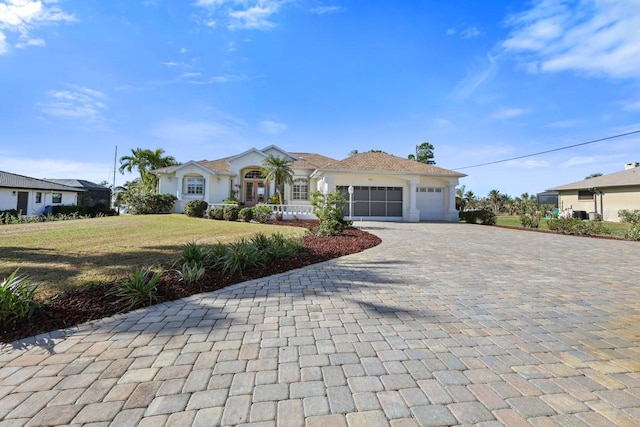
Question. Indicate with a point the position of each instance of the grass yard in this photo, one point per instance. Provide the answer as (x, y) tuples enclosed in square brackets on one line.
[(68, 254), (617, 229)]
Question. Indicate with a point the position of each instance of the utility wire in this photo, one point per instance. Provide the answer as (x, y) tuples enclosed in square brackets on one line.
[(551, 151)]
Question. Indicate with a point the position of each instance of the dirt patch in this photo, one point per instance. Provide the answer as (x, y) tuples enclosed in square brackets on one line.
[(94, 302)]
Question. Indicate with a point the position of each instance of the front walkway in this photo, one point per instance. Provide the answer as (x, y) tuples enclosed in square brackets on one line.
[(442, 324)]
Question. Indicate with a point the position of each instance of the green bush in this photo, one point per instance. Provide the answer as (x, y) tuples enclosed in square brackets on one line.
[(195, 208), (151, 203), (191, 272), (633, 218), (245, 214), (216, 213), (484, 216), (530, 216), (17, 298), (261, 213), (194, 253), (240, 255), (577, 227), (231, 201), (140, 288), (328, 208), (231, 212)]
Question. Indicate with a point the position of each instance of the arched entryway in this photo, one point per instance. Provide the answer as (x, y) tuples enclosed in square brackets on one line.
[(253, 188)]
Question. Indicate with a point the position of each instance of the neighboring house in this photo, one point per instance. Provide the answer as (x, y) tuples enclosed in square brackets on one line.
[(95, 195), (605, 195), (31, 195), (385, 187)]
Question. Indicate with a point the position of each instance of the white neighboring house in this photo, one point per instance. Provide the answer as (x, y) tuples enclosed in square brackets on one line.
[(385, 187), (32, 195)]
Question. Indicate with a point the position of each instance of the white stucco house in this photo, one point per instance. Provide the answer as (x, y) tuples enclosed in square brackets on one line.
[(384, 187), (604, 195), (32, 195)]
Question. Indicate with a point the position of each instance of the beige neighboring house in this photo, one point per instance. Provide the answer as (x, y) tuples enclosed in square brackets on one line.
[(384, 187), (605, 195)]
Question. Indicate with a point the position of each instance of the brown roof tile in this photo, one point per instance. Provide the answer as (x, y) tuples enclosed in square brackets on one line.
[(383, 162), (311, 160), (627, 177)]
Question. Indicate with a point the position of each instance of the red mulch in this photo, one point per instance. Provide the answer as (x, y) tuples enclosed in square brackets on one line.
[(93, 302)]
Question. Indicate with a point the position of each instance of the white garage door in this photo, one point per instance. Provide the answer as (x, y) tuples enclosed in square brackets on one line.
[(430, 203)]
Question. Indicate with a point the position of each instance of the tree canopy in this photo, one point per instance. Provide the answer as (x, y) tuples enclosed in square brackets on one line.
[(145, 160), (424, 154), (593, 175), (277, 170)]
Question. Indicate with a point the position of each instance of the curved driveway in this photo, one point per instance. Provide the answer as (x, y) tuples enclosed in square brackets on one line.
[(442, 324)]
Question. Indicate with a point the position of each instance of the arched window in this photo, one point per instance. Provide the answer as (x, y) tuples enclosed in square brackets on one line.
[(300, 189), (253, 174), (195, 184)]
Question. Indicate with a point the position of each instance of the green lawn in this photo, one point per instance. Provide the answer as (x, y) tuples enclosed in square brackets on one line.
[(66, 254), (617, 229)]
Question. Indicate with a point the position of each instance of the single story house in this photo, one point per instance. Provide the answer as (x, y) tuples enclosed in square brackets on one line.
[(383, 186), (95, 196), (32, 195), (605, 194)]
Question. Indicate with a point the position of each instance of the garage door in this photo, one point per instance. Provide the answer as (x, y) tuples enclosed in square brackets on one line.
[(374, 201), (430, 203)]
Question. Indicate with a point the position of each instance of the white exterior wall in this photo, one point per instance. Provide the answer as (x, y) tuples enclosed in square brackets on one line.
[(9, 200)]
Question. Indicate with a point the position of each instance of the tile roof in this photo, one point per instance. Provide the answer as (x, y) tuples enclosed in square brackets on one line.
[(311, 160), (79, 183), (625, 178), (383, 162), (12, 180)]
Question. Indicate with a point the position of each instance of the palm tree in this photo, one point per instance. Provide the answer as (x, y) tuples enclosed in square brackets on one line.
[(277, 170), (495, 199), (145, 160), (460, 201)]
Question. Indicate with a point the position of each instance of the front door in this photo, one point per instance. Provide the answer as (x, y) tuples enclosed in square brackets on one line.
[(254, 192), (23, 201)]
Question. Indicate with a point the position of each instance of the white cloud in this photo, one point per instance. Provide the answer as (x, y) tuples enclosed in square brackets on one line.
[(596, 37), (272, 127), (633, 105), (574, 161), (442, 122), (483, 70), (451, 31), (508, 113), (323, 10), (81, 104), (198, 131), (470, 33), (563, 124), (21, 17), (241, 14)]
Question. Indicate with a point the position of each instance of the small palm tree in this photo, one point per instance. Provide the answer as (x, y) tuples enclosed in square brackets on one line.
[(145, 160), (277, 170)]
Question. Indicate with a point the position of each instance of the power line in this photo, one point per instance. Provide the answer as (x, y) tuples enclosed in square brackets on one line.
[(551, 151)]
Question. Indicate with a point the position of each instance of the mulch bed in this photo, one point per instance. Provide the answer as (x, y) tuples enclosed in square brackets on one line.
[(93, 302)]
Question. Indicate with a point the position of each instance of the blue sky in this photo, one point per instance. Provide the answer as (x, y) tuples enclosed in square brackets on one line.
[(204, 79)]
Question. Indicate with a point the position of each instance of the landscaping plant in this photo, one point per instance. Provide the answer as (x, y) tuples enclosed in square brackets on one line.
[(633, 218), (140, 287), (216, 213), (231, 212), (245, 214), (195, 208), (329, 209), (191, 272), (192, 253), (17, 298), (240, 255), (261, 213)]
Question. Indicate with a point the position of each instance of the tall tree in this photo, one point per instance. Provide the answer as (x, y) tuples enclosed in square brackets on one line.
[(460, 201), (277, 170), (495, 199), (593, 175), (145, 160), (424, 153)]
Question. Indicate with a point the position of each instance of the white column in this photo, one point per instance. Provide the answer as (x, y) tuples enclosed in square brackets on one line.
[(414, 213), (452, 212), (207, 187)]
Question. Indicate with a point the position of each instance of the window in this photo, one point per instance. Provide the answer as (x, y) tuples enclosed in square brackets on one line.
[(195, 185), (300, 189), (254, 174), (38, 197), (56, 198), (585, 195)]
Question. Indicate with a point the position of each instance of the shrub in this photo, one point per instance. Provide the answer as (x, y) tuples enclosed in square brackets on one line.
[(217, 255), (192, 253), (328, 208), (577, 227), (140, 287), (261, 213), (484, 216), (274, 199), (240, 255), (216, 213), (151, 203), (245, 214), (195, 208), (231, 212), (8, 216), (530, 216), (633, 218), (191, 272), (17, 298), (231, 201)]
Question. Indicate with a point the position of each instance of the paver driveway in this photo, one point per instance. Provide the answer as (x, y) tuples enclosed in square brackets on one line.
[(442, 324)]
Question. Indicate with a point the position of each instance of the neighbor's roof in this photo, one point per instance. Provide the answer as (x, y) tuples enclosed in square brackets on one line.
[(625, 178), (12, 180), (383, 162), (80, 183), (311, 160)]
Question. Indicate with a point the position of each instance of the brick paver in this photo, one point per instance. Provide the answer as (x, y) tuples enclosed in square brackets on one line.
[(442, 324)]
